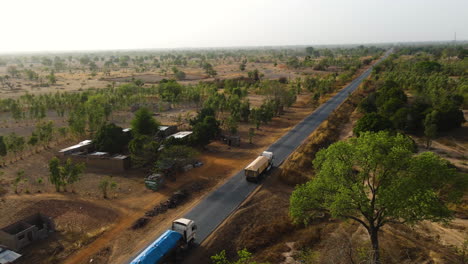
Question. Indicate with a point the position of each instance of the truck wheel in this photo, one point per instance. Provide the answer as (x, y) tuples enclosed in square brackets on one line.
[(191, 243)]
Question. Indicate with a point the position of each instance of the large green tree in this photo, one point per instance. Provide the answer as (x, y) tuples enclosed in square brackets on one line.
[(110, 138), (175, 157), (205, 131), (143, 123), (372, 122), (376, 179), (143, 150)]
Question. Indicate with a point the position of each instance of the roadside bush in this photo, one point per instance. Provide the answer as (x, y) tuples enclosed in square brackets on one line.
[(372, 122)]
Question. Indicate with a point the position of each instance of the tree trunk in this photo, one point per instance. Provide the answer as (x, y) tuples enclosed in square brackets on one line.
[(374, 235)]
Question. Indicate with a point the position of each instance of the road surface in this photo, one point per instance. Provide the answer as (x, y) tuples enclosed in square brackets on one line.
[(220, 203)]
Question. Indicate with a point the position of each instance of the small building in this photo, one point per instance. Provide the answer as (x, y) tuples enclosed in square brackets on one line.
[(180, 135), (83, 146), (231, 140), (165, 131), (25, 231), (7, 256), (102, 160)]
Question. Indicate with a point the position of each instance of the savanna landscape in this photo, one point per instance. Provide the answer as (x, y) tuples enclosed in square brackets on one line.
[(248, 132), (39, 121)]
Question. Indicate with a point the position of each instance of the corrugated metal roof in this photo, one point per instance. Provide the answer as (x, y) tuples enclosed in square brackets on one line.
[(8, 256), (81, 144), (180, 134), (257, 163)]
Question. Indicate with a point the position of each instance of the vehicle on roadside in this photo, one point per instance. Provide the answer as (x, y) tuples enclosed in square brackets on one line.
[(171, 245), (263, 163)]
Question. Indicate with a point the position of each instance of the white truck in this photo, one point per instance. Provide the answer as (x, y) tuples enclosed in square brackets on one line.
[(257, 167), (166, 247)]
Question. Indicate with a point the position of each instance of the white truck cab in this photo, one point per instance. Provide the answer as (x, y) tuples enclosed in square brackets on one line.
[(270, 157), (187, 228)]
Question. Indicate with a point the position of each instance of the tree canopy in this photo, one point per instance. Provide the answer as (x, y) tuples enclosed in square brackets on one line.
[(376, 179), (110, 138), (143, 123), (63, 175)]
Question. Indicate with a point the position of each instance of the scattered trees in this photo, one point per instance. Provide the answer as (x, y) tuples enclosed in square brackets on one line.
[(209, 70), (62, 175), (376, 179), (437, 98), (179, 75)]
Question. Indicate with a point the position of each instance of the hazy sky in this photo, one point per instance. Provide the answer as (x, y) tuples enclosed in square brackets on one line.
[(39, 25)]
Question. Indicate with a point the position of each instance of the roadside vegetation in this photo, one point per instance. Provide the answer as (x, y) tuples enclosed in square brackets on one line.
[(376, 196)]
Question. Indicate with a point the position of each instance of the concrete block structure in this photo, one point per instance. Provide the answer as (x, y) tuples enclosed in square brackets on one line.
[(25, 231), (101, 160)]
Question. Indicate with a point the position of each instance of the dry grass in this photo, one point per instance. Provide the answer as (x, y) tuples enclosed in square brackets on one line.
[(298, 167)]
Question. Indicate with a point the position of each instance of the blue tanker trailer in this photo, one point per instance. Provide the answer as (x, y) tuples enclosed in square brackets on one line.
[(180, 237)]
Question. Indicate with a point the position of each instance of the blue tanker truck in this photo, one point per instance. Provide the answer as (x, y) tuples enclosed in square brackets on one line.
[(180, 237)]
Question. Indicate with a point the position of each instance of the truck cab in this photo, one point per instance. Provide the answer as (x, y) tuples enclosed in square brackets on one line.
[(187, 228), (270, 157)]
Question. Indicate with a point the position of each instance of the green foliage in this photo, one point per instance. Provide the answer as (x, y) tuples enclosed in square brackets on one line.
[(110, 138), (44, 131), (143, 150), (105, 184), (205, 131), (170, 91), (375, 179), (143, 123), (209, 69), (51, 77), (243, 257), (19, 179), (77, 121), (243, 65), (62, 175), (175, 157), (3, 147), (33, 140), (309, 256), (430, 127), (429, 79), (255, 75), (14, 143), (372, 122)]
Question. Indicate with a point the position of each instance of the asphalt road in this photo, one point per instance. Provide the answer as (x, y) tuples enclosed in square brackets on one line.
[(220, 203)]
